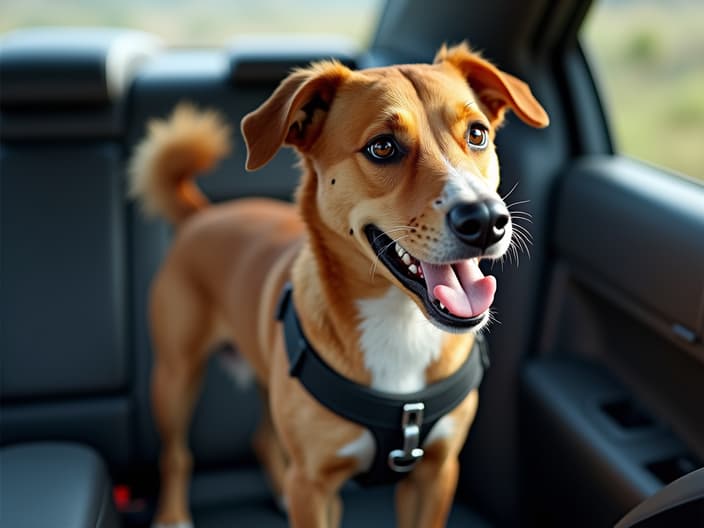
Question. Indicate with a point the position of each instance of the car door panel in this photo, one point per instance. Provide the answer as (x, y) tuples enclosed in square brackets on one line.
[(609, 402), (638, 230)]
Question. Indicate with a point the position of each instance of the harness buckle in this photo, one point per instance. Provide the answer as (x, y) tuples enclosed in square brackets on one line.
[(404, 460)]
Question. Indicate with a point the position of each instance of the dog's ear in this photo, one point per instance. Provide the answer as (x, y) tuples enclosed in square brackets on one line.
[(497, 90), (294, 114)]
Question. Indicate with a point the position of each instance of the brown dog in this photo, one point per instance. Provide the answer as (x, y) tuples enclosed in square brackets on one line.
[(396, 206)]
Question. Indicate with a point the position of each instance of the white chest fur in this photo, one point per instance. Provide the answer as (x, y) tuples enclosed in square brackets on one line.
[(397, 341)]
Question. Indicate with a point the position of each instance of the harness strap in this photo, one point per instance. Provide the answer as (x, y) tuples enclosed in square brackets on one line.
[(399, 422)]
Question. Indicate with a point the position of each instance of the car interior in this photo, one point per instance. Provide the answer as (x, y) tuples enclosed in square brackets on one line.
[(592, 405)]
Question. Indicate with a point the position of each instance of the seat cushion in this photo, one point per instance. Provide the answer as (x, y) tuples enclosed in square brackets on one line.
[(242, 498), (54, 484)]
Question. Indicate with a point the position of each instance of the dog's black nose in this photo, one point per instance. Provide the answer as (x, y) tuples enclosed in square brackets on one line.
[(479, 224)]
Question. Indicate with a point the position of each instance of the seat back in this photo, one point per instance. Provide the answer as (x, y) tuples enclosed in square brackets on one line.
[(65, 359), (77, 258)]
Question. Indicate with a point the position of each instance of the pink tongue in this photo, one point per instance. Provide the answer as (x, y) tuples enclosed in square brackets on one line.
[(461, 287)]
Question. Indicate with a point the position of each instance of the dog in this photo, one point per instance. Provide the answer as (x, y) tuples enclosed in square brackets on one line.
[(396, 206)]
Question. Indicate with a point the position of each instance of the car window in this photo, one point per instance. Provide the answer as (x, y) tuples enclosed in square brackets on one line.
[(648, 57), (204, 22)]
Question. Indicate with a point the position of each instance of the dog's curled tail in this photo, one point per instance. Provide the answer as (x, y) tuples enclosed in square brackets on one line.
[(174, 152)]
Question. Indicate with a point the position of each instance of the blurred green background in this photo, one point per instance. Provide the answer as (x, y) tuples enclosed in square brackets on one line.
[(200, 22), (648, 55), (648, 58)]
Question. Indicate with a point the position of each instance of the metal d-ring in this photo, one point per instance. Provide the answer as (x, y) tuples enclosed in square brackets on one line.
[(404, 460)]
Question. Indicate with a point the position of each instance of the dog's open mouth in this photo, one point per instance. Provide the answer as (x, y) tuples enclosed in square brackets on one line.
[(456, 295)]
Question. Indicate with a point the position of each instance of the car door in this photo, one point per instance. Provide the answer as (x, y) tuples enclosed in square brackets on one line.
[(611, 394)]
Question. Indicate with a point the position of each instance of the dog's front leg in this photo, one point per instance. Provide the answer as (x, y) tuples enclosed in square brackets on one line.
[(424, 498), (312, 503)]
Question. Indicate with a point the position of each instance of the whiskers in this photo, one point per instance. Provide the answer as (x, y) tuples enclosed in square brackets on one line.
[(521, 238), (395, 229), (515, 185), (491, 320)]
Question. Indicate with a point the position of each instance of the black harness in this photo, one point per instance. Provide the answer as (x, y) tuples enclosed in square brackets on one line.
[(399, 423)]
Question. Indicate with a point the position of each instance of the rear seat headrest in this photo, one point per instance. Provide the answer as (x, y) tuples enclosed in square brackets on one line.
[(267, 59), (56, 67)]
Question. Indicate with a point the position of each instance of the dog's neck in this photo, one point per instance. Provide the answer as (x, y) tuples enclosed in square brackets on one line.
[(363, 326), (328, 276)]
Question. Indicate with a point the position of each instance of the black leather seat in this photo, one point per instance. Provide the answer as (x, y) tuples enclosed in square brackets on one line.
[(55, 484)]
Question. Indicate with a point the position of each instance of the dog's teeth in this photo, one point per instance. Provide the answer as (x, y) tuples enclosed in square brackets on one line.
[(406, 259), (413, 269), (441, 305), (399, 250)]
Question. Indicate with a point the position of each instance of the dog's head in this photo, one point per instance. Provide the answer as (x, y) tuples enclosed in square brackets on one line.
[(403, 166)]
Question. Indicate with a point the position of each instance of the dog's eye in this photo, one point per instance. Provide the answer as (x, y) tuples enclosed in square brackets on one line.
[(477, 136), (382, 149)]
